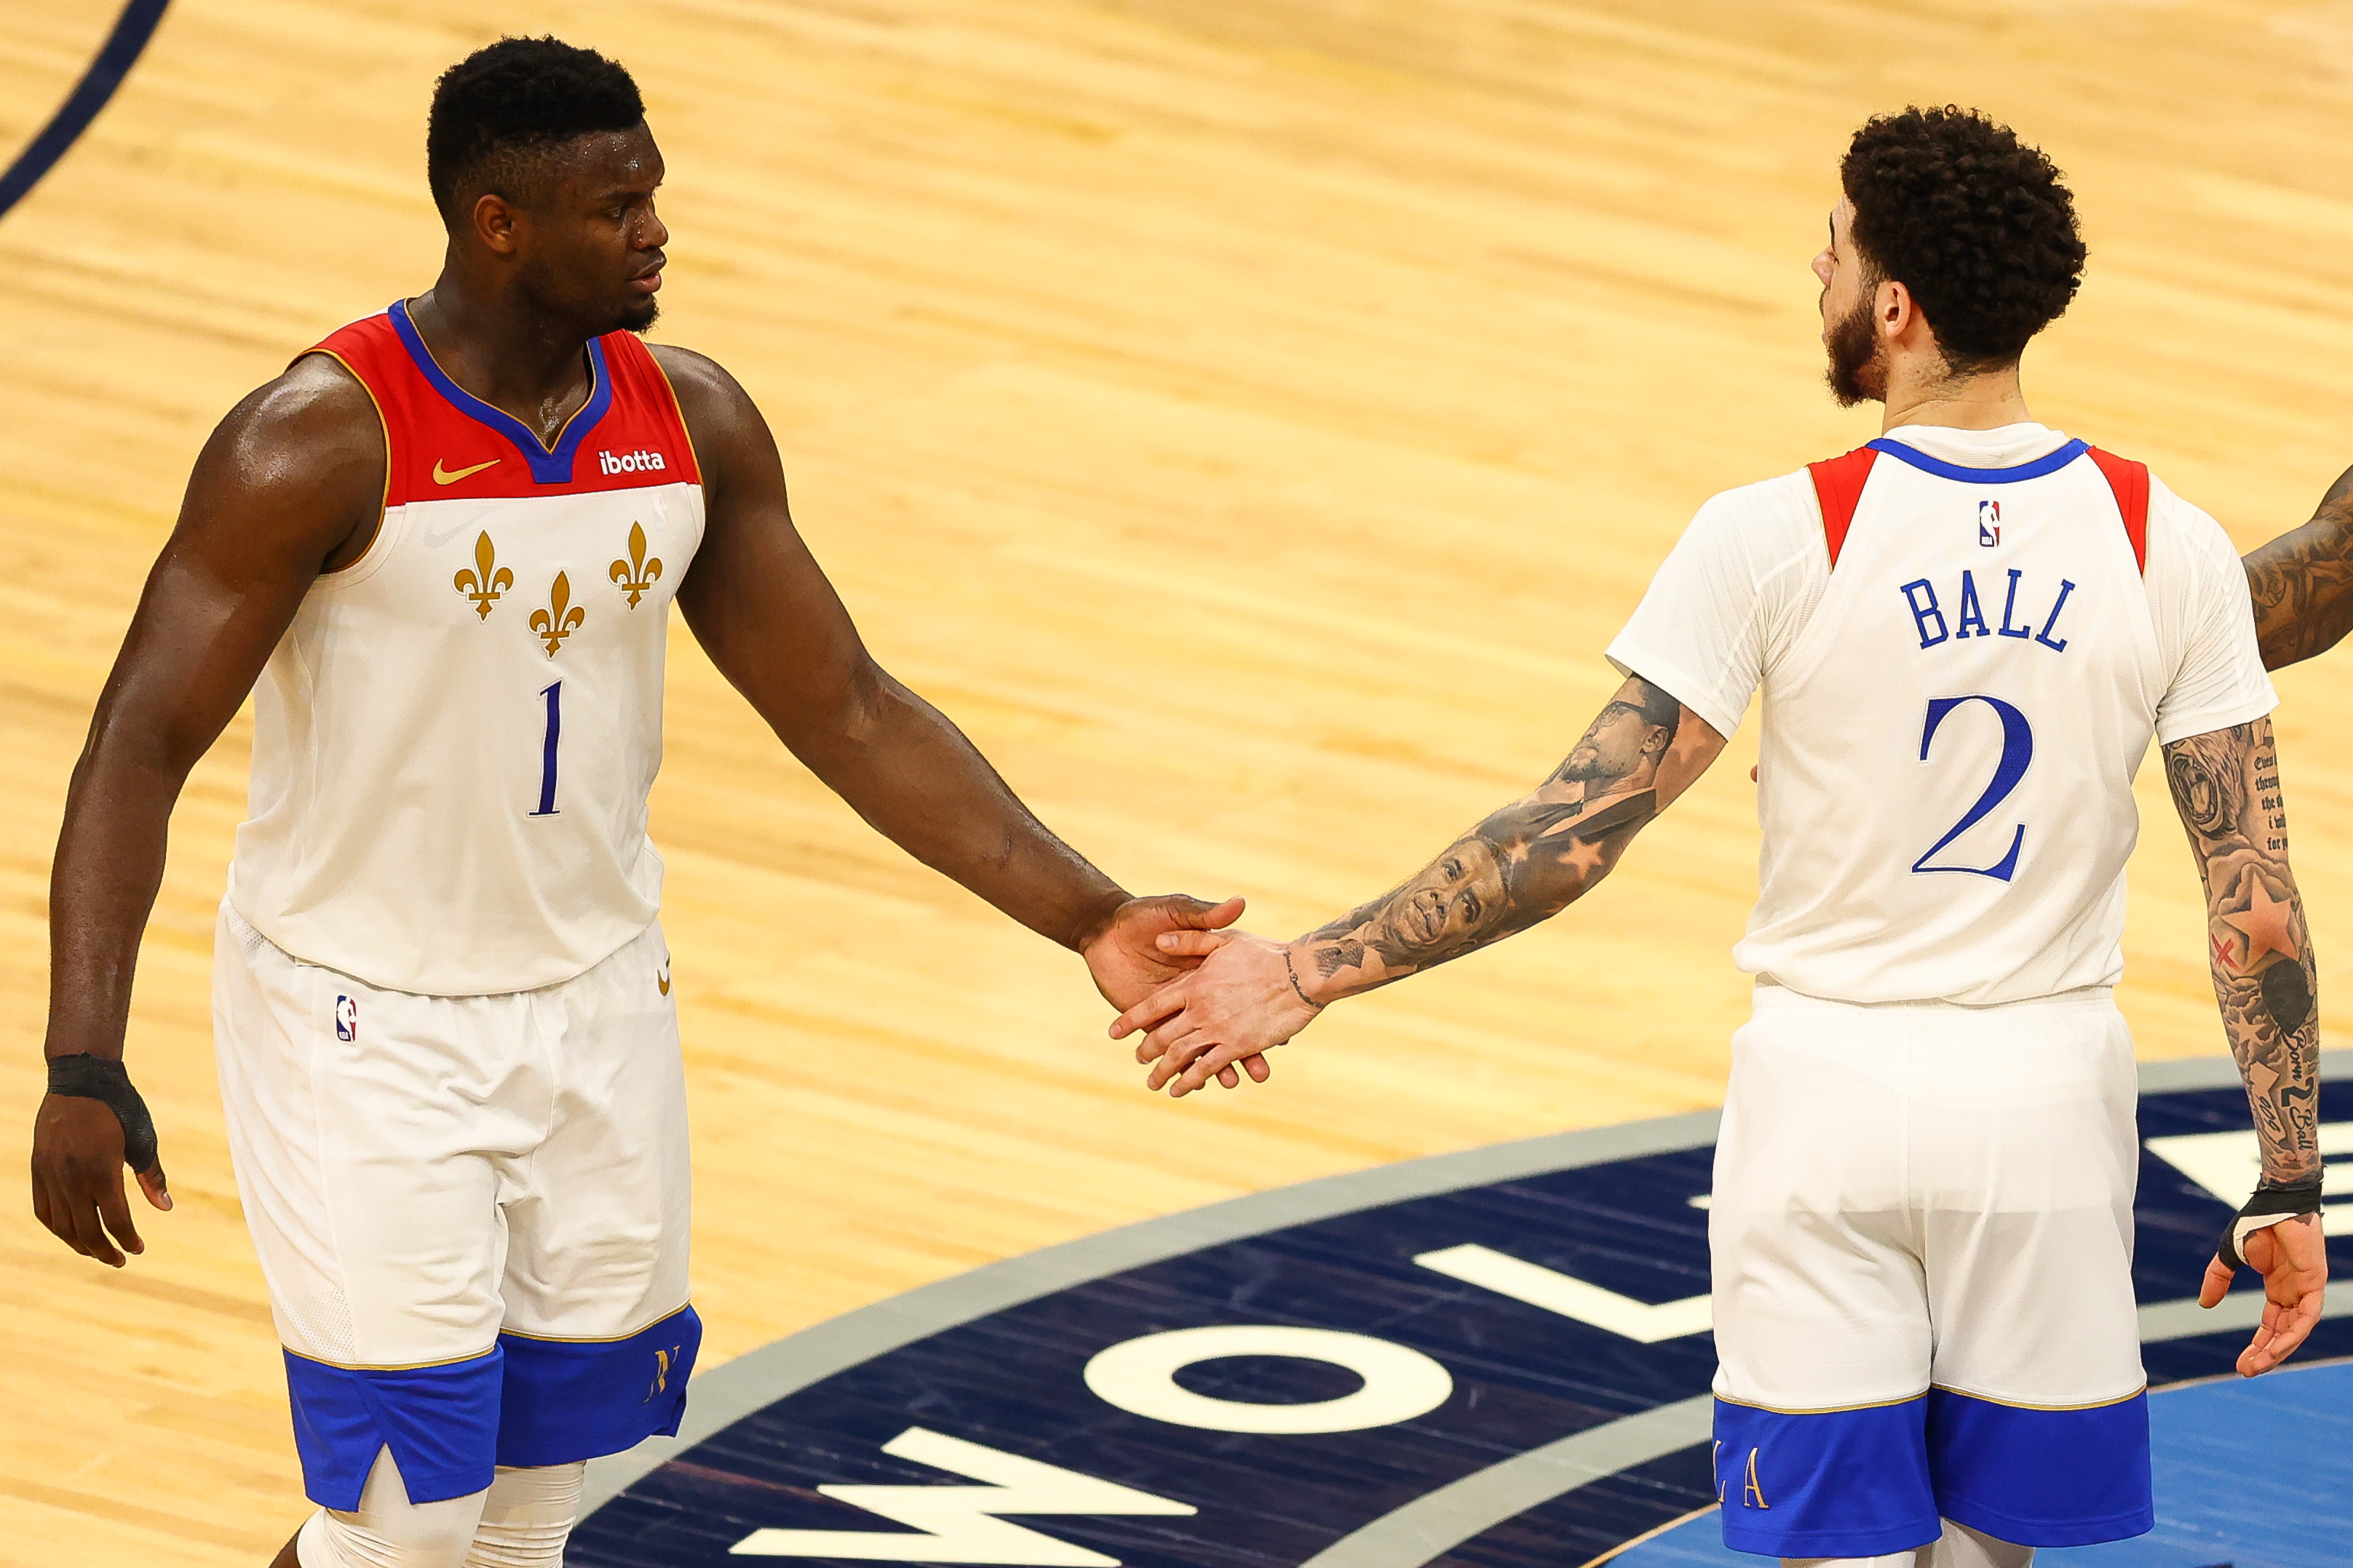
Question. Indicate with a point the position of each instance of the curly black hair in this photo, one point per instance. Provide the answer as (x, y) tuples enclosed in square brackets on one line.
[(1974, 222), (499, 112)]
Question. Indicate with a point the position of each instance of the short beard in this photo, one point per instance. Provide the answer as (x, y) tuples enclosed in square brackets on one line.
[(1856, 374), (639, 317)]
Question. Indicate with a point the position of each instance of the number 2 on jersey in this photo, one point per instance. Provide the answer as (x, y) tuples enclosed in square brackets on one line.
[(554, 695), (2017, 752)]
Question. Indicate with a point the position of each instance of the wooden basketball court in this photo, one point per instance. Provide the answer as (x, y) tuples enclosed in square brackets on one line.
[(1248, 418)]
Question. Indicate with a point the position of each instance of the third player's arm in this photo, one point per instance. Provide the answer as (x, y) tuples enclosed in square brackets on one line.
[(2226, 785), (2303, 582), (1519, 866)]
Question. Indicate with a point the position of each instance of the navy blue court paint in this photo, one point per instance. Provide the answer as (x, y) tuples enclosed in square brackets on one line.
[(120, 51), (1381, 1386)]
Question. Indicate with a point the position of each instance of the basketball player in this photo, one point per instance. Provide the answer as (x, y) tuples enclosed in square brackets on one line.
[(446, 543), (1966, 634), (2303, 582)]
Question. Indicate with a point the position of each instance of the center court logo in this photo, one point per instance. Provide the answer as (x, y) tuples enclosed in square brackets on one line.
[(1482, 1359), (637, 462)]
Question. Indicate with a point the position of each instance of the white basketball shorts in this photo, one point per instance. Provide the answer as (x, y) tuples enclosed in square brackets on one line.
[(1922, 1233), (470, 1211)]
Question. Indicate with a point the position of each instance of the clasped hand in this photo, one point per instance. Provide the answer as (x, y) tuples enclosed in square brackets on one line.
[(1239, 1003)]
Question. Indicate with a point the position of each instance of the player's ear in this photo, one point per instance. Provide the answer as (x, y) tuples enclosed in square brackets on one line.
[(495, 219)]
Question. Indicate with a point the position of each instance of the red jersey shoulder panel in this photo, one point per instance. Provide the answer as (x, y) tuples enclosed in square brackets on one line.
[(2129, 480), (1838, 486), (443, 443)]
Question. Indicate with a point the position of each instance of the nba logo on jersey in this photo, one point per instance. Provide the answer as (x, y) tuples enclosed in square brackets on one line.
[(1989, 523), (347, 1018)]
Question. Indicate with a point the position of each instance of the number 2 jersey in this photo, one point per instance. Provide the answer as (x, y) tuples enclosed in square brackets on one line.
[(1965, 641), (454, 742)]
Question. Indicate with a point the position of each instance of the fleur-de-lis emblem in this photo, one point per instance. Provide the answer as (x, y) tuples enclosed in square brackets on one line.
[(561, 618), (637, 574), (488, 579)]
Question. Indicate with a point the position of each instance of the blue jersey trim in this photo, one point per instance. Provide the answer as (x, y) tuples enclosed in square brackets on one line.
[(2042, 1478), (441, 1424), (565, 1400), (2049, 463), (548, 466)]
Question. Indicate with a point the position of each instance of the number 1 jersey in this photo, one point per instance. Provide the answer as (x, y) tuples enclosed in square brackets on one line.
[(454, 742), (1965, 641)]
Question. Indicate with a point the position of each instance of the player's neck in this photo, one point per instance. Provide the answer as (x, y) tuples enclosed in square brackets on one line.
[(1923, 392), (496, 345)]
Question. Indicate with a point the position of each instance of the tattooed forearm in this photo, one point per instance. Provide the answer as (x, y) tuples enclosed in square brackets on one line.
[(2301, 582), (2227, 788), (1528, 861)]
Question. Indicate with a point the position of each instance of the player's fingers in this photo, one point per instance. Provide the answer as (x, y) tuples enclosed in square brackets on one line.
[(2216, 1285), (1192, 944), (1172, 1060), (1207, 917), (89, 1233), (1162, 1004), (115, 1213), (152, 1182), (1228, 1079), (1213, 1060), (1257, 1068), (48, 1208)]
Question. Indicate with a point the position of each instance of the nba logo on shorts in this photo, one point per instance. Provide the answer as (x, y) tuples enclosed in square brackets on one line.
[(1989, 523), (347, 1018)]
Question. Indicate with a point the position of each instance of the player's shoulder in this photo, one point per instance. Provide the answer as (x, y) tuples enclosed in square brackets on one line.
[(2184, 534), (312, 423), (1762, 522), (701, 382)]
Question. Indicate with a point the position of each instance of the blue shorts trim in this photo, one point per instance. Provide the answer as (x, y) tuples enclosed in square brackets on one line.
[(526, 1401), (441, 1424), (565, 1399), (1839, 1483), (1868, 1482), (2042, 1478)]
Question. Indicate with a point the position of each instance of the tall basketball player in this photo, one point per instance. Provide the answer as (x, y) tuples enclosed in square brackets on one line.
[(1966, 634), (446, 543)]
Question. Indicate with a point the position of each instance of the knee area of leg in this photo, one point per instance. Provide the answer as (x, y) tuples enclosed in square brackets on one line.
[(527, 1517), (428, 1535)]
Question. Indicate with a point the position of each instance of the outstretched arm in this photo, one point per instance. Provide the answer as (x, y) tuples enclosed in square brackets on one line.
[(763, 609), (2303, 582), (1523, 864), (2226, 785)]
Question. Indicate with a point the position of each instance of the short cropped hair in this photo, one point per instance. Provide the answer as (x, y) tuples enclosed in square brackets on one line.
[(500, 113), (1973, 221)]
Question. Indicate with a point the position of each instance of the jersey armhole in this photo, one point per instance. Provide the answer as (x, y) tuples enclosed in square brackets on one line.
[(2129, 480), (1838, 486), (384, 428)]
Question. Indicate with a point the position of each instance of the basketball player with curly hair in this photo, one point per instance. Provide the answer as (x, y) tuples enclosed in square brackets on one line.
[(1966, 635)]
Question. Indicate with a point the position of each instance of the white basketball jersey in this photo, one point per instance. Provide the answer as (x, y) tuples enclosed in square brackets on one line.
[(1953, 710), (454, 742)]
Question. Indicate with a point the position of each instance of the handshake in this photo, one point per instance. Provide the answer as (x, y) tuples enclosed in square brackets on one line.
[(1211, 1001)]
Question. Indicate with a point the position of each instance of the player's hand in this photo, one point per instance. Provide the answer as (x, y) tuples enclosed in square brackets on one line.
[(77, 1188), (2293, 1258), (1237, 1006), (1141, 948)]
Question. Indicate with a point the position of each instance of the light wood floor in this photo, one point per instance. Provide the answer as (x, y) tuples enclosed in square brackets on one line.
[(1248, 417)]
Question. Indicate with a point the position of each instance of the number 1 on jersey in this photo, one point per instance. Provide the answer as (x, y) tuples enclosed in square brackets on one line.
[(554, 695)]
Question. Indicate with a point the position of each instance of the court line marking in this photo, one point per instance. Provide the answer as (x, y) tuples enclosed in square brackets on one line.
[(113, 62), (757, 1379)]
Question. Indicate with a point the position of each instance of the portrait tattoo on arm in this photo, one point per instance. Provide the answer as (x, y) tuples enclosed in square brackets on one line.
[(2226, 786), (2301, 582), (1533, 858)]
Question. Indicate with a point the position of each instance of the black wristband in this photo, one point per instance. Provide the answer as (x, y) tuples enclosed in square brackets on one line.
[(86, 1077), (2272, 1202)]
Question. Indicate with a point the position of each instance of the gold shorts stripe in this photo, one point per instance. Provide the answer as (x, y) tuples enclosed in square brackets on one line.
[(1823, 1410)]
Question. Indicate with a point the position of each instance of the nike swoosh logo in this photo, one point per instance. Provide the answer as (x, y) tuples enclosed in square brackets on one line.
[(442, 476)]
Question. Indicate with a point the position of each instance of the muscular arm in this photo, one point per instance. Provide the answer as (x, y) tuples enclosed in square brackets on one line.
[(1521, 865), (288, 485), (763, 609), (2226, 786), (2303, 582)]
